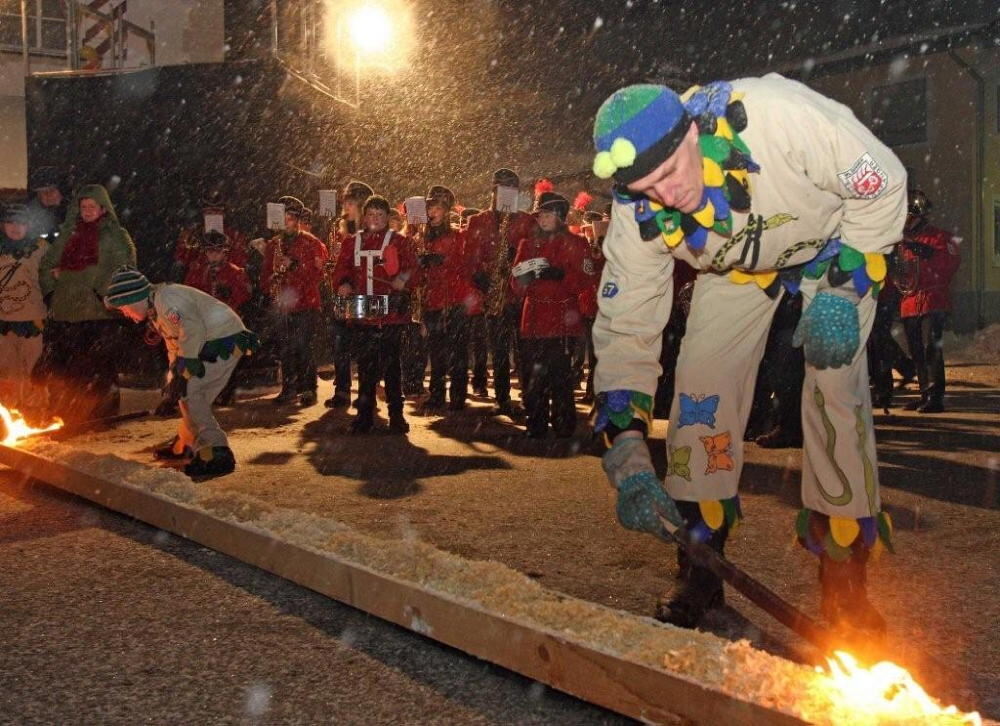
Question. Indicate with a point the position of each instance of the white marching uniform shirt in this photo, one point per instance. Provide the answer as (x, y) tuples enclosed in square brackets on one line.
[(823, 175)]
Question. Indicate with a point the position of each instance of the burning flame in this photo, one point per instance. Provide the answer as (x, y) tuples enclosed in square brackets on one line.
[(15, 428), (887, 693)]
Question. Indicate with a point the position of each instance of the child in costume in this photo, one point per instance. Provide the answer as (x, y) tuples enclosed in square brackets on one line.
[(766, 188), (205, 339)]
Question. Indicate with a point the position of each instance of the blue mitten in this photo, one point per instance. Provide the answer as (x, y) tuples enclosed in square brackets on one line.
[(642, 501), (829, 331)]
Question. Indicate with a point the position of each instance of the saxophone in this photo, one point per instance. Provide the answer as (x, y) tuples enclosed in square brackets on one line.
[(499, 270), (278, 268), (418, 294)]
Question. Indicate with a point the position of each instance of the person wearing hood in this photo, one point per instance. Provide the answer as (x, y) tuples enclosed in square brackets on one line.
[(81, 337), (48, 203), (22, 310)]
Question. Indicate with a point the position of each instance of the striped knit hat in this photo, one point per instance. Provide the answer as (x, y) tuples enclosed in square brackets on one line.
[(636, 129), (127, 286)]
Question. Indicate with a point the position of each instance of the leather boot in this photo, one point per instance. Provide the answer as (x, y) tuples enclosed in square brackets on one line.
[(207, 464), (700, 589), (844, 602)]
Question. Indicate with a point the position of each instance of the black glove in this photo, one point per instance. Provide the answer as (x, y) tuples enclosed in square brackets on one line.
[(223, 292), (551, 273), (176, 388), (482, 281), (431, 259)]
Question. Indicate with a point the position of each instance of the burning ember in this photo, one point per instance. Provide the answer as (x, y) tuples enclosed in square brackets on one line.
[(887, 694), (14, 428)]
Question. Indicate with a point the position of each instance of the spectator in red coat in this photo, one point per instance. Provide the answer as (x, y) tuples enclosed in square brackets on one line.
[(376, 261), (550, 273), (293, 268), (933, 254), (213, 273)]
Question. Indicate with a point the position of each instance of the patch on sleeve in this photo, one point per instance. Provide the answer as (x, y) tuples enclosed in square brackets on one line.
[(609, 290), (865, 179), (173, 316)]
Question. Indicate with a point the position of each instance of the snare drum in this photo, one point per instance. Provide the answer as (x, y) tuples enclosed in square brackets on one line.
[(362, 307)]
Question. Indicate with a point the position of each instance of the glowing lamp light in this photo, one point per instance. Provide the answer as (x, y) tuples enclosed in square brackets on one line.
[(14, 428), (370, 29)]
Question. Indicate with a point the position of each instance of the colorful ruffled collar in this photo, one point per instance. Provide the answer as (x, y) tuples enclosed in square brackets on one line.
[(726, 164)]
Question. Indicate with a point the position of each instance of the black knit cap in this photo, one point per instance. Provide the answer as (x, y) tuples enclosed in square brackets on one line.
[(44, 177), (552, 202), (506, 178), (213, 199), (16, 212)]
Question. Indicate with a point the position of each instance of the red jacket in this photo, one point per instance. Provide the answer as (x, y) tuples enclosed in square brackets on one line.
[(396, 259), (593, 265), (483, 234), (938, 264), (227, 283), (551, 307), (449, 283), (299, 289)]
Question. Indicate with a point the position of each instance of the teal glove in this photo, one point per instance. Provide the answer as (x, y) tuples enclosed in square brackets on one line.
[(640, 494), (829, 331)]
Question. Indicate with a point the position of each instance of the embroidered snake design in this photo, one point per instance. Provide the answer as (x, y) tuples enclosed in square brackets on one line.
[(859, 426), (831, 443), (750, 235)]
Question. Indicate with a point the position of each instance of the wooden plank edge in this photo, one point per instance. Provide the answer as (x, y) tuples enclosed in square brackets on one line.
[(562, 662)]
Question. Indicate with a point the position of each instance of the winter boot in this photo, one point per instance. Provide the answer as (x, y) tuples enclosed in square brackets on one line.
[(170, 451), (307, 398), (362, 423), (211, 462), (285, 397), (338, 400), (397, 424), (844, 602), (700, 589)]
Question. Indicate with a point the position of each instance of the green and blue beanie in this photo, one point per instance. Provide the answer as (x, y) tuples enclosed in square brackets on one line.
[(637, 128), (127, 286)]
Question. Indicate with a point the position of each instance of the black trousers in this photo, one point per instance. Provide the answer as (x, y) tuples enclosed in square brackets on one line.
[(376, 350), (583, 355), (342, 358), (884, 352), (923, 334), (414, 358), (548, 394), (778, 389), (295, 334), (448, 345), (498, 337)]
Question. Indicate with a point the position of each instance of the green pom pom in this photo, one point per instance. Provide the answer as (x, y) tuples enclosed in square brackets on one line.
[(715, 148), (604, 166), (850, 259), (623, 152)]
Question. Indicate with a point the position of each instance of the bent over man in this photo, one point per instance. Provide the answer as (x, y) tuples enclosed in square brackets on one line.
[(766, 188)]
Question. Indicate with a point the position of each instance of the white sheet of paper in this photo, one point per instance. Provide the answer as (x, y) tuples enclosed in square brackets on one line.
[(275, 216), (416, 210), (507, 199), (328, 202), (213, 223)]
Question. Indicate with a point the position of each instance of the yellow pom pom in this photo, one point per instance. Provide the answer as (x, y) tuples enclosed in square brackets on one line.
[(672, 239), (844, 530), (740, 277), (723, 128), (712, 173), (764, 279), (875, 266), (604, 167), (623, 152), (705, 217), (712, 513)]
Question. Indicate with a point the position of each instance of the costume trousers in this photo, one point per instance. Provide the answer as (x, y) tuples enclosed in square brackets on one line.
[(341, 358), (726, 333), (548, 394), (376, 350), (923, 335), (448, 343), (499, 340), (198, 427), (297, 332)]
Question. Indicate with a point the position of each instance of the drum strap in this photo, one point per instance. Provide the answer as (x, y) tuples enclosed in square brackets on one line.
[(370, 256)]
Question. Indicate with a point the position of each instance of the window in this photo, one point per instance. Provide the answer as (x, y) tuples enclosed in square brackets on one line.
[(46, 26), (899, 112)]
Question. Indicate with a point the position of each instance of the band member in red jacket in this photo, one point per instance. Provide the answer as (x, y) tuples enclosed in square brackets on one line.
[(376, 261), (213, 273), (550, 272), (187, 250), (930, 257), (495, 333), (292, 271), (449, 297)]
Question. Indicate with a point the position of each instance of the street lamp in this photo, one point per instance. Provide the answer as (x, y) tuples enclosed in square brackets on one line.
[(370, 30)]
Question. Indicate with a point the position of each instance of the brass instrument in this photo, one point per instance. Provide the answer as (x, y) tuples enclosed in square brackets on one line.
[(905, 270), (419, 292), (278, 268), (499, 270)]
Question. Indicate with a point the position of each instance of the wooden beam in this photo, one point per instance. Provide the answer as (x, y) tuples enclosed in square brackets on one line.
[(557, 659)]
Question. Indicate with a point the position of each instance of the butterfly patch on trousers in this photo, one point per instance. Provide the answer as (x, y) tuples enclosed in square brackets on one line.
[(698, 409), (720, 452)]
